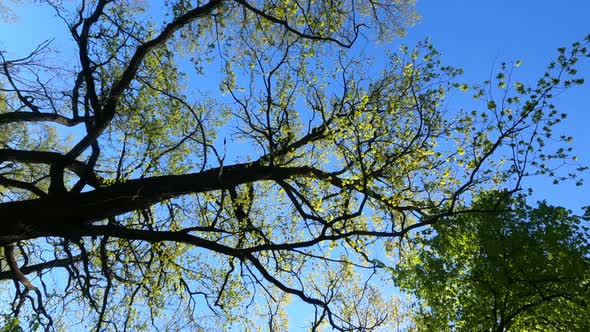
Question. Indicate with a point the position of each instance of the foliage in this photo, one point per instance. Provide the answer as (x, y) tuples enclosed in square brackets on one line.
[(513, 267), (211, 161)]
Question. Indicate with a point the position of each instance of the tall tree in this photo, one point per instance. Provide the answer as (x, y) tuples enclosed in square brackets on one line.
[(229, 155), (511, 268)]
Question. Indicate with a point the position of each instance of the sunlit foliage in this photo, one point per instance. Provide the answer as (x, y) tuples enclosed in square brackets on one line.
[(198, 165)]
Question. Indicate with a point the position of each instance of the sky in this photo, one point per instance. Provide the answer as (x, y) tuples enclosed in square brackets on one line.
[(478, 35), (473, 35)]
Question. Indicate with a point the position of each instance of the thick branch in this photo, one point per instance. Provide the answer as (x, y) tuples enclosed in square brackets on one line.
[(6, 182), (13, 117), (72, 212)]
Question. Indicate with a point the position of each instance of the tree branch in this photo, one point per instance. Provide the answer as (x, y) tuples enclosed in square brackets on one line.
[(16, 272), (72, 212), (6, 182), (50, 158), (13, 117), (109, 109), (39, 267)]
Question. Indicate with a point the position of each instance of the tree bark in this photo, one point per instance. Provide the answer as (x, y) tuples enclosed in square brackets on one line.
[(69, 213)]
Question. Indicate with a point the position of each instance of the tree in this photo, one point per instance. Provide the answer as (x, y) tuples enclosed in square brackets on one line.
[(517, 268), (222, 162)]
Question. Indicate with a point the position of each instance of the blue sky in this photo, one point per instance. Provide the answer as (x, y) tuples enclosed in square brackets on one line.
[(478, 35)]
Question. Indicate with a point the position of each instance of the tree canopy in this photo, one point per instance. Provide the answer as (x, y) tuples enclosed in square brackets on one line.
[(513, 267), (199, 164)]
